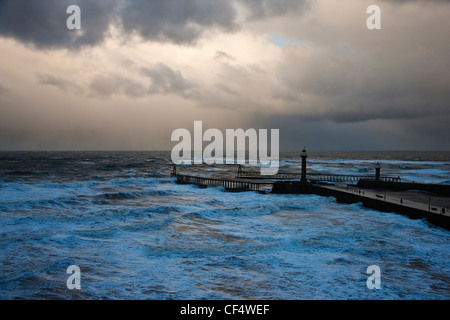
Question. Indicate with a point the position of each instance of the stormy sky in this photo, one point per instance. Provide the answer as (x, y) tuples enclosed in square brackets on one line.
[(137, 70)]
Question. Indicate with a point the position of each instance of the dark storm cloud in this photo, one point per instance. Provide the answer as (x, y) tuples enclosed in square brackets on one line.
[(107, 85), (59, 82), (165, 80), (350, 86), (267, 8), (176, 21), (156, 79), (223, 56), (43, 22), (162, 80)]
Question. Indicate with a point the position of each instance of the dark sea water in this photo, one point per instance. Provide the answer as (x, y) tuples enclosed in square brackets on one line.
[(135, 234)]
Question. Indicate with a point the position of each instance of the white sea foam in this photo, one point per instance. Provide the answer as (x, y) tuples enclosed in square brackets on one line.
[(142, 236)]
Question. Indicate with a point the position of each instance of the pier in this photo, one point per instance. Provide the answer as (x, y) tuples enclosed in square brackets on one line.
[(230, 184), (387, 194), (235, 185)]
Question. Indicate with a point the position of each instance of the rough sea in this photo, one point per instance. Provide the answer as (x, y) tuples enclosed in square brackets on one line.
[(136, 234)]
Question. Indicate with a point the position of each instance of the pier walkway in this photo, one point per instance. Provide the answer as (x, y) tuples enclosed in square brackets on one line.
[(409, 199)]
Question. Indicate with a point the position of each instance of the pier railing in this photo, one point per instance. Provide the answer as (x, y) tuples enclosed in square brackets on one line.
[(229, 184), (313, 176)]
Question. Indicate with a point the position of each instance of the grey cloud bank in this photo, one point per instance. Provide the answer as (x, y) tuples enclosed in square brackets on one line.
[(337, 86), (42, 22)]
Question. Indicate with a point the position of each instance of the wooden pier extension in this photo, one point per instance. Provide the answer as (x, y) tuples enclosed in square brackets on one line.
[(230, 184)]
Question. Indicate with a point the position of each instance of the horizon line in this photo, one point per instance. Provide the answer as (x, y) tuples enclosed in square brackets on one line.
[(156, 150)]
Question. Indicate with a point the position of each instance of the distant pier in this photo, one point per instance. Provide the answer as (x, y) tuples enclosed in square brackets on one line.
[(387, 194)]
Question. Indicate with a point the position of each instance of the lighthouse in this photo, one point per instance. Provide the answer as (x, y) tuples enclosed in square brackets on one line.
[(304, 155), (377, 172)]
